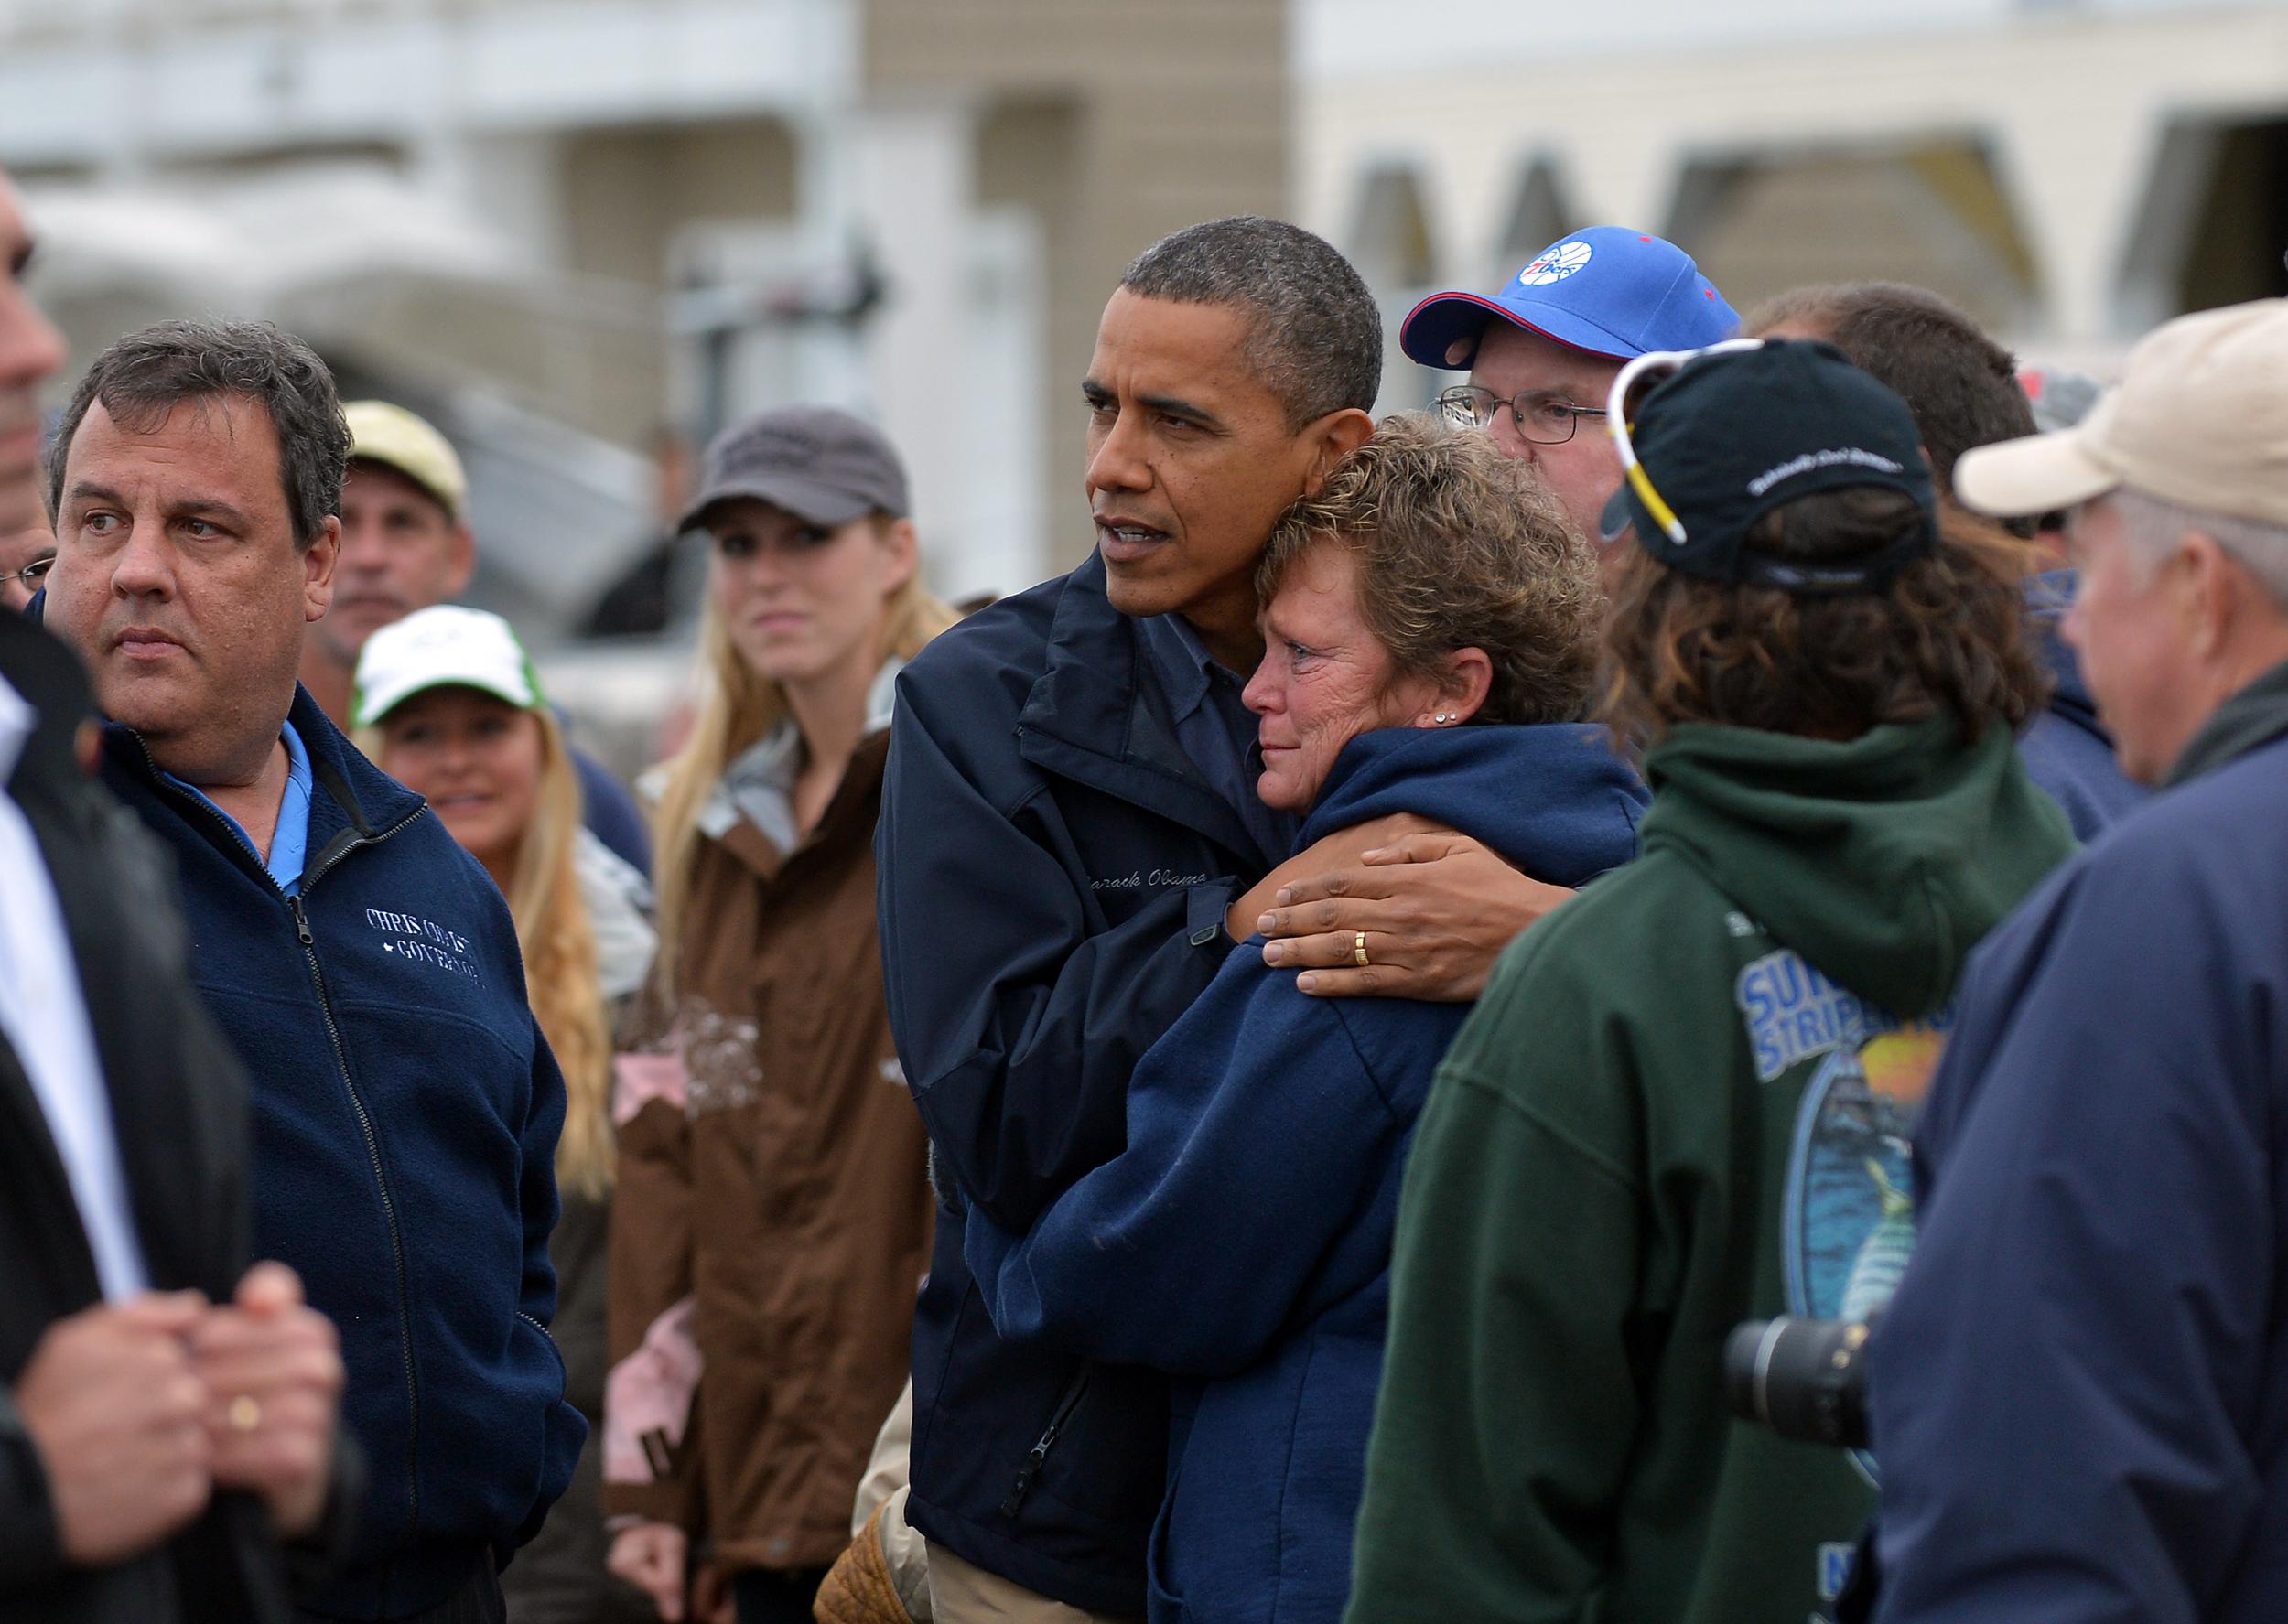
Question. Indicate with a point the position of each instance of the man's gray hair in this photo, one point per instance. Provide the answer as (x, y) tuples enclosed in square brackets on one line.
[(2153, 526), (1314, 336), (143, 376)]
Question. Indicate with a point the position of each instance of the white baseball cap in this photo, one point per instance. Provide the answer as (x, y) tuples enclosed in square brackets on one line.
[(2200, 419), (445, 647)]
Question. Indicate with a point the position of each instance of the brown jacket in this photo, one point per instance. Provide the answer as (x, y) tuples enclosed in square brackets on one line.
[(775, 1178)]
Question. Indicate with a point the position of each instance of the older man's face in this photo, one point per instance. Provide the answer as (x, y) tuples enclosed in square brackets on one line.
[(178, 579), (2129, 627), (1583, 472), (29, 351)]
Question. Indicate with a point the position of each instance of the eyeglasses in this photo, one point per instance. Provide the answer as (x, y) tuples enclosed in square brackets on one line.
[(1542, 417), (1639, 379), (32, 575)]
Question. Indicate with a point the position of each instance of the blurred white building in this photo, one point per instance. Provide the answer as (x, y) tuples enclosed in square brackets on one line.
[(558, 223), (2071, 171)]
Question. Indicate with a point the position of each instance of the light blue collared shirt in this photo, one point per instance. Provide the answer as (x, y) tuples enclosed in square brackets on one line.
[(289, 841)]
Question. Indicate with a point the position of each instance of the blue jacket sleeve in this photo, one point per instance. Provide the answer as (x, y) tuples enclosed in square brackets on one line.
[(1017, 1025), (1257, 1137), (566, 1427), (2066, 1383)]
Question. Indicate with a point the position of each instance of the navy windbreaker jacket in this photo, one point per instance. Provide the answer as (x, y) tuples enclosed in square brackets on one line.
[(2080, 1390), (2066, 750), (406, 1113), (1054, 877), (1242, 1241)]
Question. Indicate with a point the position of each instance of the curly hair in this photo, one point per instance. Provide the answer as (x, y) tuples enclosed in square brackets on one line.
[(1948, 636), (1458, 547)]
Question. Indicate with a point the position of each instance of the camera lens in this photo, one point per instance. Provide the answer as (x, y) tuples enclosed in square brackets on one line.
[(1805, 1378)]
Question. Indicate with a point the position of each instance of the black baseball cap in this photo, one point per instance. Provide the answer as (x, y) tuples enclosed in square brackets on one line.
[(819, 463), (1730, 434)]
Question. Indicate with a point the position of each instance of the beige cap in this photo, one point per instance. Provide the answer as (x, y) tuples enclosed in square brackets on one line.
[(380, 432), (2200, 419)]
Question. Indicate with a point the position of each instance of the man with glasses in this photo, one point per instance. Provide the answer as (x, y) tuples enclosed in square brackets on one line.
[(1544, 350), (24, 560), (29, 351)]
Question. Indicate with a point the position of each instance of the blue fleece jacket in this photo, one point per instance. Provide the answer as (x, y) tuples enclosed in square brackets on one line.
[(1242, 1240), (406, 1113), (2080, 1390), (2066, 750)]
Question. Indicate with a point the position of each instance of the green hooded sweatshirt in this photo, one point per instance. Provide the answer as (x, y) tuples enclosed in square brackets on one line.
[(1662, 1120)]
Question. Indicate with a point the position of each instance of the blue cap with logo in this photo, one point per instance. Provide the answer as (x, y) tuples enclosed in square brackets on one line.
[(1607, 290)]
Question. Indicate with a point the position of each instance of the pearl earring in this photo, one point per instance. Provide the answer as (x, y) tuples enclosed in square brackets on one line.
[(1441, 718)]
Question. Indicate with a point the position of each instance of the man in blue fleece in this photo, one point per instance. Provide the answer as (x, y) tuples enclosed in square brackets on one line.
[(2081, 1391), (406, 1108)]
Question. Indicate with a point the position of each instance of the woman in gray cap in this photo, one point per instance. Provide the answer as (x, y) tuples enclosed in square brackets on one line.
[(773, 1217)]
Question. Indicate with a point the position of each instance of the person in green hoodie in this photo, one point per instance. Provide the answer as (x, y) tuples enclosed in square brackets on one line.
[(1685, 1099)]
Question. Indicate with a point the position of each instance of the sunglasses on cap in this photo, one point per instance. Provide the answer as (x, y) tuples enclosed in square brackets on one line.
[(1639, 379)]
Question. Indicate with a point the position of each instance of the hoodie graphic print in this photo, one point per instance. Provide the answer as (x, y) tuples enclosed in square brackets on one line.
[(1847, 1224)]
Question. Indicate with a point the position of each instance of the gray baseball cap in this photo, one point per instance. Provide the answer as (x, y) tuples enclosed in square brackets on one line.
[(2060, 398), (820, 463)]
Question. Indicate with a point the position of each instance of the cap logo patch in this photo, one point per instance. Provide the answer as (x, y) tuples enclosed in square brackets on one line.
[(1851, 455), (1555, 264)]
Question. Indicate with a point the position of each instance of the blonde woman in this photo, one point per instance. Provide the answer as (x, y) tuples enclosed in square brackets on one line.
[(774, 1210), (447, 703)]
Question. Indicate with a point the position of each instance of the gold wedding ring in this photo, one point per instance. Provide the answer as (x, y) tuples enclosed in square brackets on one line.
[(1358, 948), (245, 1413)]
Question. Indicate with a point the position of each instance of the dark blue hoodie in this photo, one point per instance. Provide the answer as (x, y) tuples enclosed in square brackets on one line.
[(406, 1113), (2066, 750), (1242, 1241)]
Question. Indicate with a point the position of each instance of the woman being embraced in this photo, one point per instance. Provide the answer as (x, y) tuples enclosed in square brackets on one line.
[(774, 1223), (1429, 624)]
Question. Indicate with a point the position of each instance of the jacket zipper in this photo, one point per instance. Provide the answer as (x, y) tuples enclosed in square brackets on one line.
[(1038, 1455), (374, 1156), (356, 1103)]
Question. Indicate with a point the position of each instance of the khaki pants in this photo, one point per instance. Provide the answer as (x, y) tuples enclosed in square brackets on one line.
[(934, 1585), (963, 1592)]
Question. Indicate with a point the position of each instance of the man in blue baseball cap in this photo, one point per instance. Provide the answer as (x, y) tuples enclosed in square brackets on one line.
[(1543, 352)]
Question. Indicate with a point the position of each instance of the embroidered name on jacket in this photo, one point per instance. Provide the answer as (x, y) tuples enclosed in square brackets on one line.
[(1159, 879), (423, 942)]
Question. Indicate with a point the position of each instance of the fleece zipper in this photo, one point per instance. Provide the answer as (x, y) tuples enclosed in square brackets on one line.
[(1038, 1455), (348, 840), (335, 851)]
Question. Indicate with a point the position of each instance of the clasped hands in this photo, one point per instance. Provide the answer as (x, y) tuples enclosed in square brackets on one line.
[(142, 1409), (1435, 908)]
